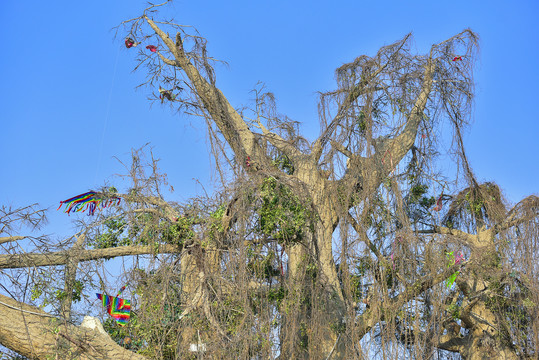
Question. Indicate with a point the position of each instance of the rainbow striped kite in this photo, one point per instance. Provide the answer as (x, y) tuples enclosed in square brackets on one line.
[(88, 201), (118, 308)]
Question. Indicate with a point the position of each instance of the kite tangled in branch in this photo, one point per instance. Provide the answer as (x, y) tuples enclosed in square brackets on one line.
[(90, 200), (166, 94), (118, 308), (129, 43), (152, 48), (439, 204), (453, 260), (457, 58)]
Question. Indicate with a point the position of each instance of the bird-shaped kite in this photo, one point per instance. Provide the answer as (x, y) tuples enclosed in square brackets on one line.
[(152, 48), (90, 200), (118, 308), (457, 58), (129, 43)]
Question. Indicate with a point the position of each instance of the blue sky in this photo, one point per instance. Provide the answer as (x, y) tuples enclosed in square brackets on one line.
[(69, 104)]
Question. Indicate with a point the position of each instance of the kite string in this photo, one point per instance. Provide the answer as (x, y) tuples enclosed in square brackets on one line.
[(107, 114)]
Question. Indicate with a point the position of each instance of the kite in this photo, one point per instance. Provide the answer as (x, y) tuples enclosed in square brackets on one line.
[(88, 201), (129, 43), (118, 308), (439, 204), (453, 260), (457, 58), (166, 94), (152, 48)]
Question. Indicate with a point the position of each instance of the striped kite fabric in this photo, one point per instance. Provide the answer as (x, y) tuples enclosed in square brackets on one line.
[(118, 308), (90, 201)]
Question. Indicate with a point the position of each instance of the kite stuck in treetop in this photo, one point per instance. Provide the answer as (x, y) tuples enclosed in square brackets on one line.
[(130, 43), (457, 58), (152, 48)]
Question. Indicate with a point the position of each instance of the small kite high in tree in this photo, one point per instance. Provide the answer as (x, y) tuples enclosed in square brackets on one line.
[(439, 204), (129, 43), (152, 48), (166, 94), (90, 200), (118, 308), (457, 58)]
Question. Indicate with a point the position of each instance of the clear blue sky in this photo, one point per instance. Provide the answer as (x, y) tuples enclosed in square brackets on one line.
[(69, 104)]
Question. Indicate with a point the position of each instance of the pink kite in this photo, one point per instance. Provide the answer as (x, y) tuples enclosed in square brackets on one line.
[(152, 48), (439, 204), (129, 43)]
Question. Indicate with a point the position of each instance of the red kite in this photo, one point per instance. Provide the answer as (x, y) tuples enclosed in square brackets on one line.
[(456, 58), (152, 48), (438, 206)]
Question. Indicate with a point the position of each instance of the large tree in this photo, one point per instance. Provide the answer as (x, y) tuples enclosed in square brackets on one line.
[(354, 245)]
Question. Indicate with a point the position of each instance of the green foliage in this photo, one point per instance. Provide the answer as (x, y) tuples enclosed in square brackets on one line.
[(145, 230), (454, 311), (361, 122), (474, 205), (277, 295), (78, 286), (282, 215), (417, 196), (284, 164), (215, 221), (112, 235), (261, 264)]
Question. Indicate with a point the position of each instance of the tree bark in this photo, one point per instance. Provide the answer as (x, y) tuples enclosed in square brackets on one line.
[(35, 334), (63, 257)]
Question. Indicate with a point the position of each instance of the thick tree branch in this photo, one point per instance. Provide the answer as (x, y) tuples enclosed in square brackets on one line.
[(6, 239), (33, 333), (230, 123), (63, 257), (447, 231), (389, 152)]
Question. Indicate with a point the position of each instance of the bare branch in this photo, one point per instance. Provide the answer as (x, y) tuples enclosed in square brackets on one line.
[(5, 239)]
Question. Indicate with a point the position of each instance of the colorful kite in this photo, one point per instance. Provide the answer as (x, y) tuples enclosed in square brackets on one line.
[(90, 200), (129, 43), (453, 260), (118, 308), (457, 58), (166, 94), (152, 48)]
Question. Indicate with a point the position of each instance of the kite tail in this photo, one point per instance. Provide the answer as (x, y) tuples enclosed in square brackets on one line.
[(90, 201)]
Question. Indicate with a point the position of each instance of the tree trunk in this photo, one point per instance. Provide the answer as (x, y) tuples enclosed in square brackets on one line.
[(35, 334)]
